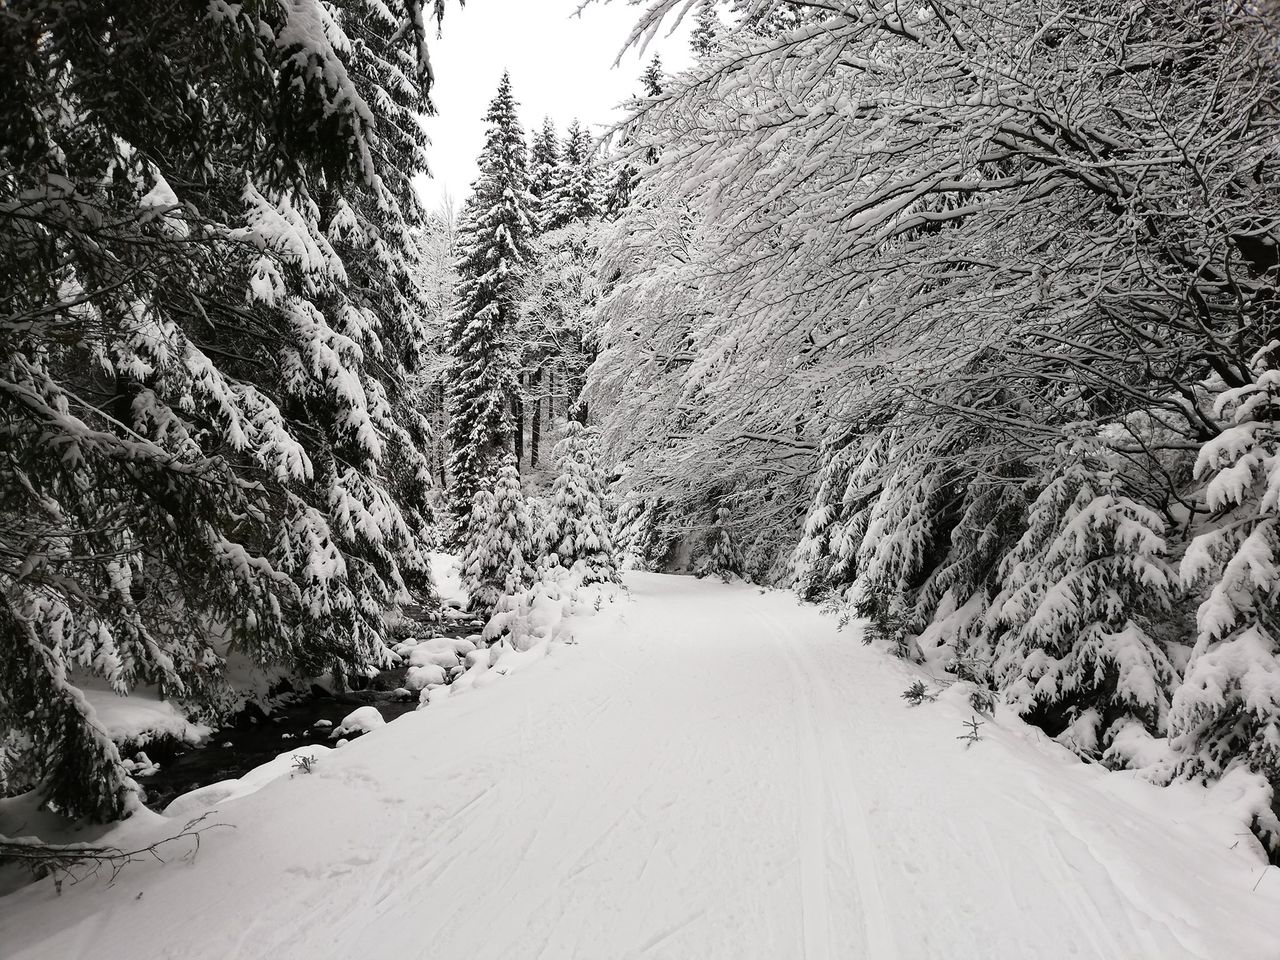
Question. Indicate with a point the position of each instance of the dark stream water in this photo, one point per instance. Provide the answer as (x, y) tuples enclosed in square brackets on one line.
[(254, 736)]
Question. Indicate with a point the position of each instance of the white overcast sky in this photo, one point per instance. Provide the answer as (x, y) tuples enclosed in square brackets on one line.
[(561, 65)]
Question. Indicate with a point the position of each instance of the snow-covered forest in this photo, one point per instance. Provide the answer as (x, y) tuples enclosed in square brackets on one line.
[(884, 399)]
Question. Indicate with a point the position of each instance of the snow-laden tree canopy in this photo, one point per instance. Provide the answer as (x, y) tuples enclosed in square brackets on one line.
[(205, 318), (889, 264)]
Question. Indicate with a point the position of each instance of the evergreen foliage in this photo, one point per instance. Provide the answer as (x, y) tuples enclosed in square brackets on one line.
[(207, 320), (651, 79), (544, 170), (706, 30), (721, 554), (625, 172), (499, 544), (577, 528), (1080, 591), (1228, 705), (495, 237), (633, 534), (577, 192)]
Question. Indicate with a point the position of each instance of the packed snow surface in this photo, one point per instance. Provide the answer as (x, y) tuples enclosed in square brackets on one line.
[(710, 772)]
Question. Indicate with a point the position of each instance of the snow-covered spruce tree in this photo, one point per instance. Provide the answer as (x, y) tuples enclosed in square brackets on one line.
[(544, 170), (651, 79), (706, 30), (1072, 623), (204, 328), (849, 482), (497, 227), (577, 192), (633, 534), (721, 555), (906, 525), (625, 172), (577, 528), (952, 604), (499, 543), (1227, 708)]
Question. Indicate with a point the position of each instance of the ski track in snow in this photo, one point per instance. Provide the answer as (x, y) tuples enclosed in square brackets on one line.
[(711, 772)]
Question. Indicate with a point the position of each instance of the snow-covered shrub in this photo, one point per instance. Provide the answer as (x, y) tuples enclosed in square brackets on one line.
[(1073, 619), (498, 542), (537, 614), (577, 530), (1227, 708), (990, 522)]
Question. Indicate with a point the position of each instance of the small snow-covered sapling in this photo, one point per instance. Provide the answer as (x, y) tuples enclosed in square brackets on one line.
[(917, 694), (971, 736)]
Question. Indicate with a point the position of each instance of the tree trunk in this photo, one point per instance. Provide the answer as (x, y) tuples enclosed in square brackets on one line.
[(442, 427), (535, 427), (517, 414)]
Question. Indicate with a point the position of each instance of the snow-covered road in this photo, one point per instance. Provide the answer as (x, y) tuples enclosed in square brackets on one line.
[(711, 772)]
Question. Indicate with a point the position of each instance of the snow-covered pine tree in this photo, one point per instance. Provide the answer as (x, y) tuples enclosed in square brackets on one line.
[(1073, 620), (497, 227), (1227, 708), (577, 194), (544, 171), (199, 388), (577, 529), (633, 533), (704, 39), (906, 524), (651, 79), (721, 555), (622, 183), (499, 543), (824, 562), (952, 604)]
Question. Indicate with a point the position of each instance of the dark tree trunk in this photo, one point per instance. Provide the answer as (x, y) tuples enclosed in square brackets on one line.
[(517, 414), (442, 428), (535, 427)]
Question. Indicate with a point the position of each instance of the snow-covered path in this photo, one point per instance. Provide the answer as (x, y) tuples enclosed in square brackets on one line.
[(711, 772)]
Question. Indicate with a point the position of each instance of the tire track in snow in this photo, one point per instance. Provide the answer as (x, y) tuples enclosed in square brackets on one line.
[(829, 778)]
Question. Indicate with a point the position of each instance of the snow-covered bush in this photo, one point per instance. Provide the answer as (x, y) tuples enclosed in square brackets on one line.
[(904, 527)]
